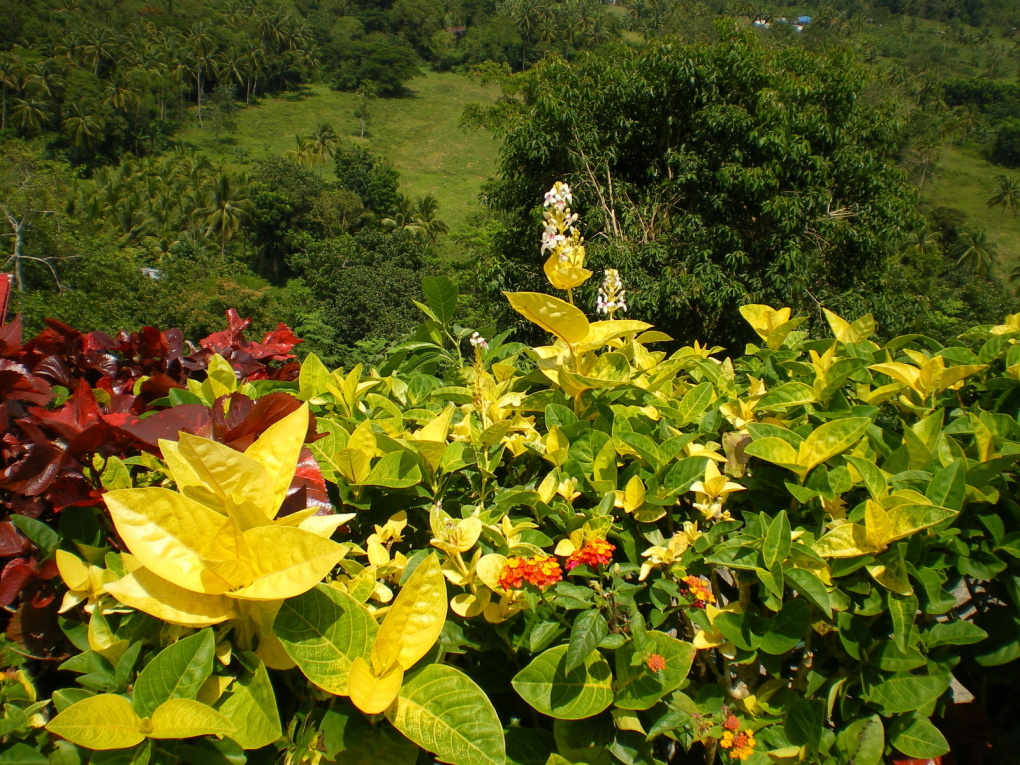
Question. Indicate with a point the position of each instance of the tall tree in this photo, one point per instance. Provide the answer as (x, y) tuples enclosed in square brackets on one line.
[(752, 175), (1007, 196), (975, 253)]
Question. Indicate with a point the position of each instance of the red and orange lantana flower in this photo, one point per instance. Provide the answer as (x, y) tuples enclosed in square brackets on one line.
[(597, 552), (540, 570)]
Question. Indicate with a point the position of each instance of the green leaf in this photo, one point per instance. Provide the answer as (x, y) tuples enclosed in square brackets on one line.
[(786, 395), (953, 633), (252, 709), (949, 485), (811, 587), (589, 629), (830, 439), (776, 451), (904, 692), (862, 742), (777, 541), (441, 295), (784, 631), (396, 470), (918, 738), (22, 754), (177, 672), (694, 402), (902, 609), (42, 536), (365, 744), (638, 687), (444, 712), (100, 722), (528, 746), (549, 688), (805, 721), (324, 631)]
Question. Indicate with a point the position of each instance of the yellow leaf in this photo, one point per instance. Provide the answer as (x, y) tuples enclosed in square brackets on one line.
[(468, 605), (363, 440), (235, 478), (488, 570), (601, 332), (184, 718), (847, 541), (415, 619), (372, 693), (278, 450), (286, 562), (106, 721), (213, 687), (353, 465), (228, 555), (168, 533), (438, 428), (147, 592), (555, 316), (633, 494), (72, 570)]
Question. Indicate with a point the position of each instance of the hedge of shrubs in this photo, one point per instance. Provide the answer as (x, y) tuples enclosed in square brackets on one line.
[(483, 553)]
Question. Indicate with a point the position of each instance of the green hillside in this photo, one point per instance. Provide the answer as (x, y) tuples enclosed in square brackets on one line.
[(966, 183), (419, 134)]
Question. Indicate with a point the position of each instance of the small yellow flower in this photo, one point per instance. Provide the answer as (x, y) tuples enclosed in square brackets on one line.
[(671, 553), (711, 493)]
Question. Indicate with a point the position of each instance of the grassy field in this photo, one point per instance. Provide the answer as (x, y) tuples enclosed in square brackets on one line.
[(967, 183), (419, 134)]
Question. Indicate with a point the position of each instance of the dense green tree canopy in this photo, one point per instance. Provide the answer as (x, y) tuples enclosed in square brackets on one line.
[(714, 176)]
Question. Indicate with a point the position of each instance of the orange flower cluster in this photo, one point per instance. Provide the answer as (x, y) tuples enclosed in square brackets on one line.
[(597, 552), (656, 663), (731, 723), (541, 571), (739, 745), (700, 590)]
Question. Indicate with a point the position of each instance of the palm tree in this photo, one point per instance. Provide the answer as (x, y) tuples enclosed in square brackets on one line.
[(99, 46), (975, 253), (427, 216), (922, 242), (84, 130), (30, 115), (1014, 279), (229, 207), (1007, 196), (322, 144), (9, 78)]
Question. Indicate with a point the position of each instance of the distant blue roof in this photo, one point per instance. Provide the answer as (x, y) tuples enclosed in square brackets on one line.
[(804, 19)]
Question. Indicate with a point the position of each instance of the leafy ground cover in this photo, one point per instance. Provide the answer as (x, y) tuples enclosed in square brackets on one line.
[(420, 134), (485, 553)]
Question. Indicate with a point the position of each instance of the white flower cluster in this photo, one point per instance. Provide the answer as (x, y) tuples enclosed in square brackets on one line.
[(558, 196), (477, 341), (612, 296)]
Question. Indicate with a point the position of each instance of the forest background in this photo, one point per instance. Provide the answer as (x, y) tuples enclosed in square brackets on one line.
[(311, 161)]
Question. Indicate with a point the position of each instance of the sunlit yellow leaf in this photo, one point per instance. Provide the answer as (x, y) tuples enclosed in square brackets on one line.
[(438, 428), (168, 533), (286, 562), (106, 721), (235, 478), (278, 450), (147, 592), (72, 570), (488, 570), (555, 316), (415, 619), (372, 693), (468, 605), (228, 555), (602, 332), (184, 718)]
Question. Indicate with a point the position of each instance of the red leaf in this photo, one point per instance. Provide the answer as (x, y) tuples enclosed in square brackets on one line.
[(11, 541), (17, 383), (15, 577), (10, 338), (191, 418), (267, 411)]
